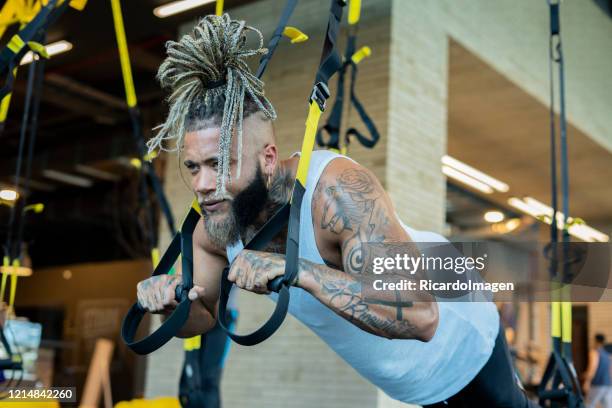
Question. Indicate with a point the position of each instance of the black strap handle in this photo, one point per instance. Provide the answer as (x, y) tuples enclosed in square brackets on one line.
[(181, 244)]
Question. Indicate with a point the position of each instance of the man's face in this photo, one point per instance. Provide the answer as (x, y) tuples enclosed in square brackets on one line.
[(225, 217)]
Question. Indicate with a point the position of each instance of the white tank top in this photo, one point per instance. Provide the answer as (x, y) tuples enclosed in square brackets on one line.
[(411, 371)]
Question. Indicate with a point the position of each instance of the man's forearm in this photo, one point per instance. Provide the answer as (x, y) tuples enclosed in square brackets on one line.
[(394, 318), (200, 321)]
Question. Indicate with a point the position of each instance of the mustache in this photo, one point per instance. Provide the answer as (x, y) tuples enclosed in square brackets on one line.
[(214, 198)]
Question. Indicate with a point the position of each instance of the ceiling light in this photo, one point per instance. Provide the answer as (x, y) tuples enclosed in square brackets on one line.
[(177, 7), (465, 179), (494, 216), (8, 195), (544, 213), (587, 233), (68, 178), (524, 207), (55, 48), (476, 174), (512, 224)]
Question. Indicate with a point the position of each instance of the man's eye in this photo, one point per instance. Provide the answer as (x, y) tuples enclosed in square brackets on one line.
[(192, 167), (215, 165)]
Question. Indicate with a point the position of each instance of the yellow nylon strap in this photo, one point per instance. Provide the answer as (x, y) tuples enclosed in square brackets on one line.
[(312, 123), (362, 53), (566, 322), (124, 56), (15, 44), (136, 162), (39, 49), (78, 4), (155, 256), (354, 11), (5, 271), (8, 15), (555, 323), (192, 343), (295, 35), (16, 265), (196, 206), (219, 7), (150, 156), (4, 106)]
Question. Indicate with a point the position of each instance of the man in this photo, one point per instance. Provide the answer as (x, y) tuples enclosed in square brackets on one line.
[(597, 384), (416, 350)]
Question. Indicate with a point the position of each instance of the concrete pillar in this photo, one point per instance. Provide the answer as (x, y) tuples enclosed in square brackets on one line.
[(417, 114), (418, 66)]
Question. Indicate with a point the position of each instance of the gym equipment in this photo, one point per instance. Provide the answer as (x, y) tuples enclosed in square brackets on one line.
[(35, 20), (29, 38), (143, 163), (332, 127), (204, 359), (181, 244), (564, 390)]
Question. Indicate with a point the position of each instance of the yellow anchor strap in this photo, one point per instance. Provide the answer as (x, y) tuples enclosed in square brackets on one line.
[(124, 56)]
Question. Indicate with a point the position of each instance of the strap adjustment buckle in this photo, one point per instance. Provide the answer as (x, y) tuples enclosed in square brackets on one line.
[(320, 93)]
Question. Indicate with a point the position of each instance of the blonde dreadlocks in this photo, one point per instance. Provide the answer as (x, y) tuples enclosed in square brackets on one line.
[(210, 83)]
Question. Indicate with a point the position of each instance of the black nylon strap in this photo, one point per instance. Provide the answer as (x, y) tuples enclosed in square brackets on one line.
[(330, 63), (181, 244), (275, 39), (334, 122), (33, 31), (560, 372), (330, 59), (149, 173), (259, 242)]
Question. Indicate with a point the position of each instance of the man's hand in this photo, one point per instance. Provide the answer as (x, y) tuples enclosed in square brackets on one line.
[(252, 270), (156, 294), (586, 387)]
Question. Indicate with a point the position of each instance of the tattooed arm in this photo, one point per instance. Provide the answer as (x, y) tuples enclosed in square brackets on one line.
[(350, 208)]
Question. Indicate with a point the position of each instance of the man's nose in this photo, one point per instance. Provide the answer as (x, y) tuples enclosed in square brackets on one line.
[(205, 182)]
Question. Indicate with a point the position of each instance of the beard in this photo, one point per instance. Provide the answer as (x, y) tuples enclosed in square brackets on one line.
[(244, 211)]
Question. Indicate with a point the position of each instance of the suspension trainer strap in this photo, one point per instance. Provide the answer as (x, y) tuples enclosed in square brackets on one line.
[(560, 373), (330, 63), (352, 57), (181, 244), (6, 102), (29, 38), (147, 171), (11, 251), (366, 141), (276, 36), (30, 123)]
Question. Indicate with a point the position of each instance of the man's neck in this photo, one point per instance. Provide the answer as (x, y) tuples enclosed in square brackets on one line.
[(279, 193)]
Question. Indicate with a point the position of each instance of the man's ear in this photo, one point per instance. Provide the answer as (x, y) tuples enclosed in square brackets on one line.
[(269, 159)]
